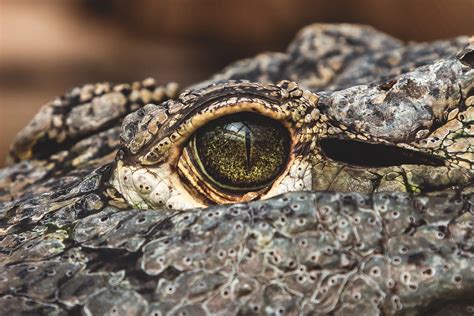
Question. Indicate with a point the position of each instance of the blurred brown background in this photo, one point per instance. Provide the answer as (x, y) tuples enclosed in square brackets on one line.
[(49, 46)]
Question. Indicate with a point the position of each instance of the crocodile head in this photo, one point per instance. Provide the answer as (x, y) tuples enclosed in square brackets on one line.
[(99, 218), (238, 141)]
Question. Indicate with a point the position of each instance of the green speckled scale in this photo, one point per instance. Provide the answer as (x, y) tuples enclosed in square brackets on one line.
[(104, 210)]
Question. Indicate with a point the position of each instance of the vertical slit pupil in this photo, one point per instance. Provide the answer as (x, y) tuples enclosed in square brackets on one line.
[(247, 144)]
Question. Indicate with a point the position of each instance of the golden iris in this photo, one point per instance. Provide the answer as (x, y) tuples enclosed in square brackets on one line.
[(241, 152)]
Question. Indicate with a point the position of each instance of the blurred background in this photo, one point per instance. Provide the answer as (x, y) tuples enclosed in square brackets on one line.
[(50, 46)]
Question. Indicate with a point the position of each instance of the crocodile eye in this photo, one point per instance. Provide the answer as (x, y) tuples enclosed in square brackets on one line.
[(240, 152)]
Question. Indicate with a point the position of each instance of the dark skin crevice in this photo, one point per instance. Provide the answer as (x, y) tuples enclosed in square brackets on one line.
[(364, 154)]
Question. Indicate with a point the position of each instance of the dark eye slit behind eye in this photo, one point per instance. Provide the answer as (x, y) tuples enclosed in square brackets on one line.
[(374, 155)]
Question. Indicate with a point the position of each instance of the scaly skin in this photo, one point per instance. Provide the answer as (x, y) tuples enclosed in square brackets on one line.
[(427, 110), (84, 232)]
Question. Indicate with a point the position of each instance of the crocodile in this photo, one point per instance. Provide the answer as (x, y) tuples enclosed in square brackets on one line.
[(333, 178)]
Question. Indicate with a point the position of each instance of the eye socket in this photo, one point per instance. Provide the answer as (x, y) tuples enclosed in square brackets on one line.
[(240, 152)]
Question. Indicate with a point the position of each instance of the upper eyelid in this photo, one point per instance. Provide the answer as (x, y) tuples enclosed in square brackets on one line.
[(186, 114), (205, 102), (189, 124)]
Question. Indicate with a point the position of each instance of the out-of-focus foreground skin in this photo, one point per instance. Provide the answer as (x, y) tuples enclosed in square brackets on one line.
[(116, 199)]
